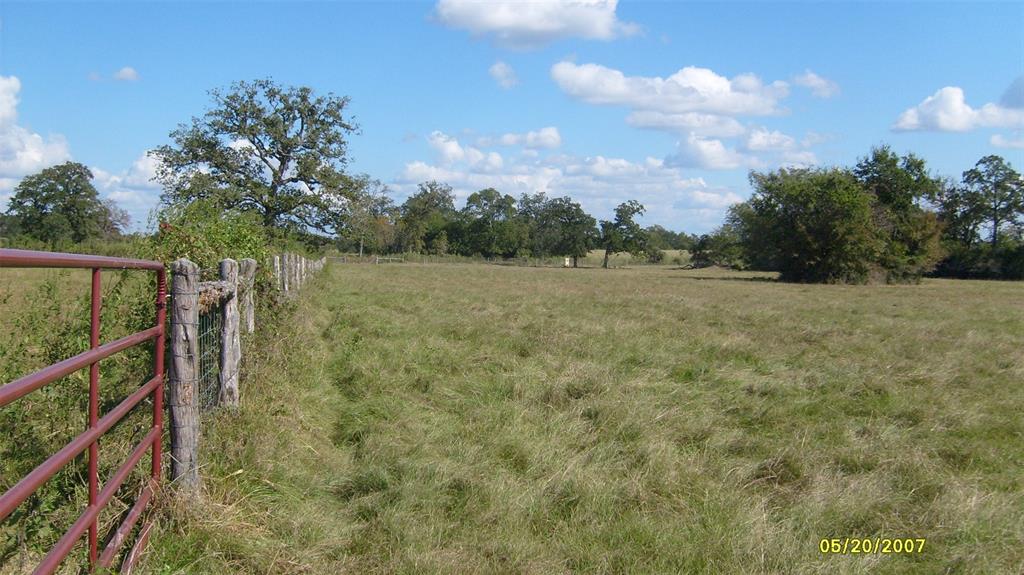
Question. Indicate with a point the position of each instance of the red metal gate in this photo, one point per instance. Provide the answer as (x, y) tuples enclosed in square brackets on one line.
[(98, 497)]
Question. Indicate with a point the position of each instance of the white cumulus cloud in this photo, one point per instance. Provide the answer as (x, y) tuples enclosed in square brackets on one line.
[(520, 24), (599, 183), (1001, 141), (762, 148), (820, 87), (702, 106), (450, 151), (691, 89), (126, 74), (503, 74), (547, 137), (134, 189), (947, 110), (712, 125), (710, 154), (22, 151), (762, 140)]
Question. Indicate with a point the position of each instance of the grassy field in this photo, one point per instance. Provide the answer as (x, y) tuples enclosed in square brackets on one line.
[(421, 419)]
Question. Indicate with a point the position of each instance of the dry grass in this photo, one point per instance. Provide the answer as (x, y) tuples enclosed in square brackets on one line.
[(447, 418)]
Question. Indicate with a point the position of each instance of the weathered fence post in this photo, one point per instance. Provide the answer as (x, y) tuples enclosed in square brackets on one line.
[(247, 281), (231, 345), (286, 271), (182, 396), (277, 271)]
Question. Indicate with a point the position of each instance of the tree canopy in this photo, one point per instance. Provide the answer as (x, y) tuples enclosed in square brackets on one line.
[(424, 218), (279, 151), (989, 200), (993, 193), (813, 225), (910, 234), (60, 204), (623, 234)]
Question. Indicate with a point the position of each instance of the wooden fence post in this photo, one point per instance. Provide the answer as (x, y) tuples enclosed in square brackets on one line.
[(286, 271), (247, 275), (231, 345), (277, 271), (182, 396)]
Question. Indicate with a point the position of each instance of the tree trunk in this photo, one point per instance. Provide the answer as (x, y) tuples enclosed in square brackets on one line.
[(607, 253)]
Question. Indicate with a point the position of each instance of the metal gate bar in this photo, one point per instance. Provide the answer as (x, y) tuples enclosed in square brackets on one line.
[(98, 498)]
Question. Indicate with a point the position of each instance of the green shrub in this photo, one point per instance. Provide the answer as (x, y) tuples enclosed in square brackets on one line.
[(205, 233), (814, 225), (654, 255)]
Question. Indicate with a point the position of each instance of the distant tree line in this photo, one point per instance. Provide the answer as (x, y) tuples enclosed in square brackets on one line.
[(492, 225), (270, 162), (885, 219)]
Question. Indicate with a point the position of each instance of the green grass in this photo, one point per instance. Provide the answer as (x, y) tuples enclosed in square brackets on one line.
[(456, 418)]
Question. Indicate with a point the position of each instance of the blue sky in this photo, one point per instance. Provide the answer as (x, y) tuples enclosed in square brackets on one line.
[(671, 103)]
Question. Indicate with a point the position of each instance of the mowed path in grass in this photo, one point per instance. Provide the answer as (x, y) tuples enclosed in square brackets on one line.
[(475, 418)]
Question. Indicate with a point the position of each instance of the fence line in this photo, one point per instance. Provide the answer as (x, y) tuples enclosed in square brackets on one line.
[(207, 318)]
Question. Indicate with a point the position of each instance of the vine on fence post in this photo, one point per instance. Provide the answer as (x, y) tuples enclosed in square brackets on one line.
[(182, 394)]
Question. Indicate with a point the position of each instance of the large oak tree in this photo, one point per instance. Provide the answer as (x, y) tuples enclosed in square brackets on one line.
[(60, 204), (279, 151)]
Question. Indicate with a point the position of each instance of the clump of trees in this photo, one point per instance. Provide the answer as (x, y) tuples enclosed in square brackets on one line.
[(885, 219), (268, 162), (623, 234), (276, 157), (983, 222), (60, 206), (492, 224)]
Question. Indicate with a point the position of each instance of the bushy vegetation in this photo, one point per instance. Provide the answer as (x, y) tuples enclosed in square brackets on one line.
[(887, 219), (990, 199), (205, 233)]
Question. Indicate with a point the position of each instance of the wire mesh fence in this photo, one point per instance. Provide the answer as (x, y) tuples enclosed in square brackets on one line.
[(210, 322)]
